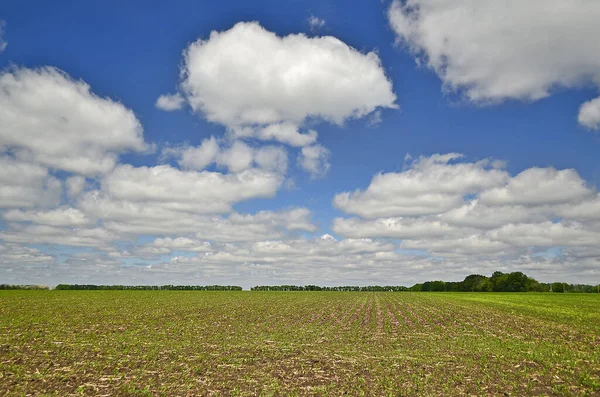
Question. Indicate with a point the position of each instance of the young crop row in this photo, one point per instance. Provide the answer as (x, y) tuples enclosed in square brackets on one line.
[(271, 343)]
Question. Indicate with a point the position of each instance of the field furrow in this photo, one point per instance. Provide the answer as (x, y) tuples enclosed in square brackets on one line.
[(183, 343)]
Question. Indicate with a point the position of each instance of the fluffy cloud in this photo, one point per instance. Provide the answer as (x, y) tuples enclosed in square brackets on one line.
[(75, 185), (588, 210), (589, 114), (315, 160), (166, 201), (431, 185), (470, 246), (237, 157), (14, 256), (476, 215), (42, 234), (55, 217), (492, 51), (539, 186), (474, 211), (261, 85), (547, 234), (199, 192), (400, 228), (513, 49), (236, 227), (53, 120), (170, 102), (165, 246), (319, 260), (26, 185)]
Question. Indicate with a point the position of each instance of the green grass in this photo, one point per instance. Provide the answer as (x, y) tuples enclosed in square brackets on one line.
[(148, 343)]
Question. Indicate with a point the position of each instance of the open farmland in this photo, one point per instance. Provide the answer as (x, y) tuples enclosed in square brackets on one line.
[(298, 343)]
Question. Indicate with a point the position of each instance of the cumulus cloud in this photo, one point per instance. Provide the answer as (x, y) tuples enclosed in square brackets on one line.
[(170, 102), (95, 237), (201, 228), (538, 186), (512, 49), (233, 228), (492, 51), (471, 246), (163, 200), (236, 157), (589, 114), (476, 215), (431, 185), (586, 210), (400, 228), (200, 192), (27, 185), (53, 120), (264, 86), (14, 256), (166, 245), (75, 185), (475, 211), (56, 217), (547, 234), (315, 160)]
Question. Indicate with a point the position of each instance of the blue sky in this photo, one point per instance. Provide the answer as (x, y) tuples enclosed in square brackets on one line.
[(446, 141)]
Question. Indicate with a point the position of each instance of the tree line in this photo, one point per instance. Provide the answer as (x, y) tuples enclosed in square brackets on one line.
[(498, 282), (354, 288), (149, 287), (22, 286)]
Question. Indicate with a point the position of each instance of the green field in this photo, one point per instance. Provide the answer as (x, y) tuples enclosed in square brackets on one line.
[(298, 343)]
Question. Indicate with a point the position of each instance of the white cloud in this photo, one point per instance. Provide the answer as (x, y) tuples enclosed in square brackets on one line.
[(14, 256), (166, 245), (195, 158), (431, 185), (258, 84), (64, 216), (589, 114), (479, 214), (284, 132), (69, 236), (237, 157), (470, 246), (582, 211), (315, 160), (170, 102), (272, 158), (3, 42), (476, 215), (51, 119), (547, 234), (538, 186), (500, 50), (75, 186), (400, 228), (26, 185), (200, 192), (315, 23), (163, 200)]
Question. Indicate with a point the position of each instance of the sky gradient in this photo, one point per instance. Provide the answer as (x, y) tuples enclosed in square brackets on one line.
[(313, 142)]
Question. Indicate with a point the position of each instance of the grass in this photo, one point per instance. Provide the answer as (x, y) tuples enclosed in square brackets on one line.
[(149, 343)]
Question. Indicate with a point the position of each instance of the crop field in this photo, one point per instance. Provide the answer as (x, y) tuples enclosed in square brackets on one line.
[(115, 343)]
